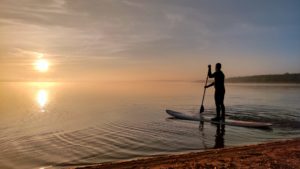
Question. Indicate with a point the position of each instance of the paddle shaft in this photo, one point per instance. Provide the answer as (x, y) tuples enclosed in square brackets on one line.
[(204, 90)]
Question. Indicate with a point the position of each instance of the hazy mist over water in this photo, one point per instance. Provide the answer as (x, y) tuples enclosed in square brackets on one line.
[(63, 124)]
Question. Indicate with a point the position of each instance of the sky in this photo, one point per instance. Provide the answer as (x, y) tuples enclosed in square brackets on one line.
[(115, 40)]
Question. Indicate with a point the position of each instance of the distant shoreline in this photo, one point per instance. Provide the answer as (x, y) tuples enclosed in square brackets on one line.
[(276, 78), (287, 78)]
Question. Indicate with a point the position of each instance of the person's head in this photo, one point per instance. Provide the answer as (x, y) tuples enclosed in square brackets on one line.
[(218, 66)]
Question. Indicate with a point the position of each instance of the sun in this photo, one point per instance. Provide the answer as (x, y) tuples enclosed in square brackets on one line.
[(42, 65)]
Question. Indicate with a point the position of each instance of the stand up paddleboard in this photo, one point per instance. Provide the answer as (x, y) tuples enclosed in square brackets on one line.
[(252, 124)]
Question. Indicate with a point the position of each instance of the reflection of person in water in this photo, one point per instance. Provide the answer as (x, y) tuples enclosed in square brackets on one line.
[(220, 132)]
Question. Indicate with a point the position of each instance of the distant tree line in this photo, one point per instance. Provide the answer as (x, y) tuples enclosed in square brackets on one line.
[(278, 78)]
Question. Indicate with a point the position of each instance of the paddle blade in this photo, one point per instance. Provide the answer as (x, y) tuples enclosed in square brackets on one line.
[(202, 109)]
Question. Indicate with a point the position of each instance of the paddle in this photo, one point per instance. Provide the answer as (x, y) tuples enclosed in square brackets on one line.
[(202, 107)]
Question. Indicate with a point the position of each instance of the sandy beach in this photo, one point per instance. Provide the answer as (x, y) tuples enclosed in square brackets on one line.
[(272, 155)]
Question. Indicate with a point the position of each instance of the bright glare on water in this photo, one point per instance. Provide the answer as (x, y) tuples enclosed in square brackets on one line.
[(42, 98), (67, 124)]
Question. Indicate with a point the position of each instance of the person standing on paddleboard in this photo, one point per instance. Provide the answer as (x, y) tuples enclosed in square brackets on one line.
[(219, 77)]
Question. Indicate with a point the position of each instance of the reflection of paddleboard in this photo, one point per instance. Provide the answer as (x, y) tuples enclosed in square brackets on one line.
[(230, 122)]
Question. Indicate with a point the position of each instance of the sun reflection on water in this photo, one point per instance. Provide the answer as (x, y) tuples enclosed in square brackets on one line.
[(41, 93), (42, 98)]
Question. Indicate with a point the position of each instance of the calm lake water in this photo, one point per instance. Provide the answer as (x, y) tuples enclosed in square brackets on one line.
[(55, 125)]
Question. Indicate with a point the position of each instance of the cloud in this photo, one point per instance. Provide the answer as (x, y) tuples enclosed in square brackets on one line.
[(135, 4), (82, 24), (123, 32)]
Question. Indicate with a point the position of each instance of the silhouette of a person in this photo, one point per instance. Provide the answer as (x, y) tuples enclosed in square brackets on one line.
[(220, 132), (219, 90)]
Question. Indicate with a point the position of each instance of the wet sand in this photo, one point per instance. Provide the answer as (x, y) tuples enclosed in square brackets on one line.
[(273, 155)]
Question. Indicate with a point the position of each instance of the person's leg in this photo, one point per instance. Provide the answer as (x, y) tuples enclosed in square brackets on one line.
[(218, 109), (222, 105), (217, 102), (223, 111)]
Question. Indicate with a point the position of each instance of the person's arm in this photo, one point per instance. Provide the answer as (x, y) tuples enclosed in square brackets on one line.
[(213, 83), (210, 75)]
